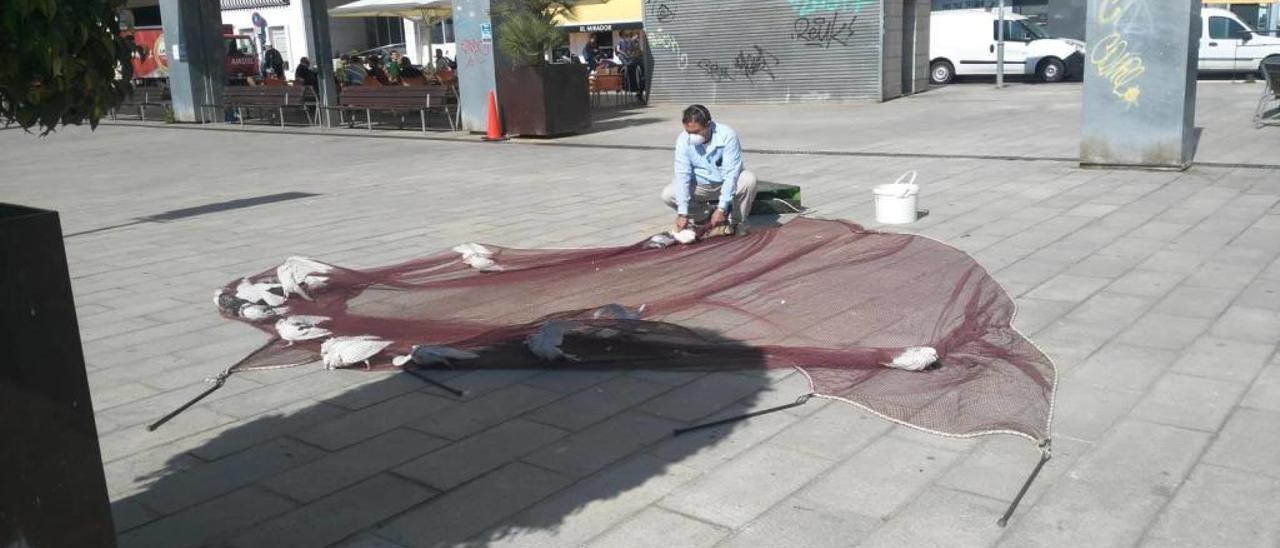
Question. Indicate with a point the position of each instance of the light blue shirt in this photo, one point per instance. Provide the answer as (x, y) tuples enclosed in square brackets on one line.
[(717, 162)]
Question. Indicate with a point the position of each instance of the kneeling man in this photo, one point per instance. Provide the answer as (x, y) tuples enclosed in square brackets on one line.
[(709, 169)]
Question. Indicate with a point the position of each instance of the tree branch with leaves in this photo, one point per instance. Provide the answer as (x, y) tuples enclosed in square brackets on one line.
[(61, 62), (527, 30)]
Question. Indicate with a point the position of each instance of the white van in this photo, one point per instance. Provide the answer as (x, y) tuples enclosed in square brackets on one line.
[(963, 42), (1227, 44)]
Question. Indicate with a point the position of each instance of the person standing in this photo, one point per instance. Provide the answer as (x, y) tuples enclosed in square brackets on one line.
[(709, 169)]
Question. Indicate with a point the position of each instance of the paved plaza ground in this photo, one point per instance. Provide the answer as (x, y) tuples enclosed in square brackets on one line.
[(1156, 293)]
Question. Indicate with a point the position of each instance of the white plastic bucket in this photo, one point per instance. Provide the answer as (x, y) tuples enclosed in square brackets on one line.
[(896, 202)]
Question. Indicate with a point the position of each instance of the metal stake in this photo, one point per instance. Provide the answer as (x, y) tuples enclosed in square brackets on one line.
[(421, 376), (799, 401), (1045, 455)]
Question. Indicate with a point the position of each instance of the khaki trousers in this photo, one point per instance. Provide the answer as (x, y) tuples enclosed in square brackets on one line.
[(743, 197)]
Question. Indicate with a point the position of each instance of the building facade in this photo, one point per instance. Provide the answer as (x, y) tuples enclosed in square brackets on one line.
[(786, 51)]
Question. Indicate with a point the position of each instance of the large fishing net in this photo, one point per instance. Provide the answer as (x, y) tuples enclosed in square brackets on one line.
[(840, 303)]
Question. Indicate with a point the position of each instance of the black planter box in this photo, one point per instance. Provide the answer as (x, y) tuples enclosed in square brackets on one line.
[(544, 101), (52, 488)]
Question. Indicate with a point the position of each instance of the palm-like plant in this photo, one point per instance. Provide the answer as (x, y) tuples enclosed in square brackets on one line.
[(527, 31)]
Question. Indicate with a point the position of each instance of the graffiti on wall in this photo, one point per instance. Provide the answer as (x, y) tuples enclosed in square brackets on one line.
[(755, 62), (1111, 56), (474, 51), (823, 31), (805, 8), (717, 72)]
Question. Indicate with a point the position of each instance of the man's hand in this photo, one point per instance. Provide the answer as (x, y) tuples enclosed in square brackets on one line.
[(718, 218), (682, 222)]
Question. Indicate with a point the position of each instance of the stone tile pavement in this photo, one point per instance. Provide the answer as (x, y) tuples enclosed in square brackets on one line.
[(1157, 294)]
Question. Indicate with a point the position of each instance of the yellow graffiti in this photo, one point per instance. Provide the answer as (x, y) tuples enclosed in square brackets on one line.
[(1111, 57), (1110, 11)]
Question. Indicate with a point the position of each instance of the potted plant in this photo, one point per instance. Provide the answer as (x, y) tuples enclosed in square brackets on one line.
[(538, 98)]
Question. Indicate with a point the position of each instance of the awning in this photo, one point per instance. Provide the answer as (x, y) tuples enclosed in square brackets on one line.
[(228, 5), (603, 16), (603, 27), (408, 9)]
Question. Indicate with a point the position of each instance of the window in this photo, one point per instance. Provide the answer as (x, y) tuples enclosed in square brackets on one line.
[(442, 31), (1017, 31), (1225, 28), (279, 39)]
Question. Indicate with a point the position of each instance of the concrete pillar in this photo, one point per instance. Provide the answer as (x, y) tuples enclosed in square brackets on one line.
[(1140, 83), (197, 55), (476, 60), (315, 17)]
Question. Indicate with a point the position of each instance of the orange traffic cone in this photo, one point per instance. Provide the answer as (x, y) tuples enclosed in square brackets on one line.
[(495, 124)]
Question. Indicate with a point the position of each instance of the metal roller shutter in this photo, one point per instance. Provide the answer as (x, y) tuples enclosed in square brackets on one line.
[(767, 51)]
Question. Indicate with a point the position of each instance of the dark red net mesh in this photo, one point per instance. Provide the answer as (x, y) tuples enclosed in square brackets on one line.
[(828, 297)]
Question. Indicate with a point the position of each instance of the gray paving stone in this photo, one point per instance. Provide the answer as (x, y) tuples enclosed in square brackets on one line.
[(473, 415), (1196, 302), (703, 396), (206, 481), (1066, 287), (120, 394), (1104, 266), (878, 480), (592, 506), (570, 381), (997, 468), (334, 517), (596, 403), (371, 421), (147, 409), (594, 448), (134, 439), (658, 528), (1242, 323), (379, 388), (1220, 507), (128, 514), (138, 471), (471, 457), (454, 517), (1225, 359), (1249, 442), (1086, 411), (1190, 402), (1119, 366), (835, 432), (800, 522), (710, 448), (264, 399), (354, 464), (1265, 392), (218, 442), (367, 540), (1146, 283), (954, 518), (1223, 276), (747, 486), (1035, 314), (1139, 463), (198, 525), (1262, 293), (1157, 330)]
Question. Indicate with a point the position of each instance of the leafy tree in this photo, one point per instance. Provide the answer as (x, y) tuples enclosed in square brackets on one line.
[(61, 62), (527, 30)]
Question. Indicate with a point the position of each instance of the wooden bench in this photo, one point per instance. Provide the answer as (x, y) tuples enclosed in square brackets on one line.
[(420, 99), (1268, 112), (141, 98), (273, 98)]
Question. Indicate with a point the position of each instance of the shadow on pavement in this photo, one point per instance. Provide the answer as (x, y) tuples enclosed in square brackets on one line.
[(520, 459)]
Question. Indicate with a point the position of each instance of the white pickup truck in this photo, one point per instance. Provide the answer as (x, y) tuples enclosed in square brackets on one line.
[(1227, 44)]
